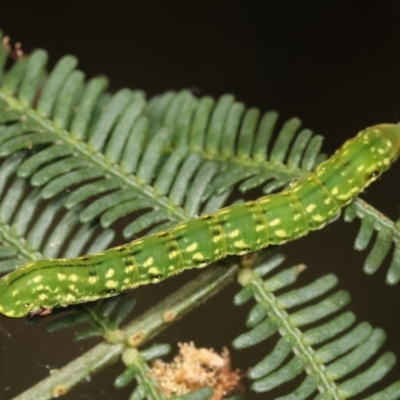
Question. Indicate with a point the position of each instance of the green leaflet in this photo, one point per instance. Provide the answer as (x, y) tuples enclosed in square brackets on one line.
[(308, 204)]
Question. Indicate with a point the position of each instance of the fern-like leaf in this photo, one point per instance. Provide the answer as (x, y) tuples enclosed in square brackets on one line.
[(349, 346), (105, 318), (171, 159), (22, 240), (237, 139), (388, 236)]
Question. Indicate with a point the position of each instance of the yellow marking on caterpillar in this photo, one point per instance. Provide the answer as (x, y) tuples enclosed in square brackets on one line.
[(42, 296), (110, 273), (280, 233), (335, 190), (87, 298), (275, 222), (37, 279), (223, 212), (70, 298), (129, 268), (148, 262), (154, 271), (73, 278), (355, 189), (172, 254), (240, 244), (318, 218), (234, 233), (15, 292), (192, 247), (344, 196), (260, 227), (61, 277), (216, 238), (198, 256), (93, 279), (310, 208), (111, 284)]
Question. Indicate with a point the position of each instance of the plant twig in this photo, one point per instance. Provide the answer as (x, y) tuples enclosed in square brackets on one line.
[(138, 332)]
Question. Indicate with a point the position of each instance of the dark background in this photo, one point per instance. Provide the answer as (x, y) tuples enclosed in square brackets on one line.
[(335, 65)]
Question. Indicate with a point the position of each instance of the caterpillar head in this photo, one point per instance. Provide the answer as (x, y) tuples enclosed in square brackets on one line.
[(372, 151), (386, 138), (385, 148)]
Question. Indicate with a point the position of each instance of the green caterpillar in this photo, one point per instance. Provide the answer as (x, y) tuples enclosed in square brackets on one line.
[(306, 205)]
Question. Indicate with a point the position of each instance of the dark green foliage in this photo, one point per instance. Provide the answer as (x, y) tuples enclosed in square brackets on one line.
[(388, 237), (348, 347), (23, 240), (105, 317), (137, 368), (178, 154)]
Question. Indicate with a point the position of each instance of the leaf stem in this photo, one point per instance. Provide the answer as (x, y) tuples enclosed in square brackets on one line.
[(138, 332), (177, 214)]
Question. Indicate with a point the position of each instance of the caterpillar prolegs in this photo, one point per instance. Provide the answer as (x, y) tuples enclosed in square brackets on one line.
[(308, 204)]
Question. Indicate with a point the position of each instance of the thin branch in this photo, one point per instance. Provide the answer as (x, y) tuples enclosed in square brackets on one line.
[(296, 337), (362, 208), (138, 332)]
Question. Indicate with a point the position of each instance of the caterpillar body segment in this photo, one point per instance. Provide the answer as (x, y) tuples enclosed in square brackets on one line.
[(308, 204)]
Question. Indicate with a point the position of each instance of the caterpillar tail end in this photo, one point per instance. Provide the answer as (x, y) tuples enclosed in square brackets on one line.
[(9, 305)]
